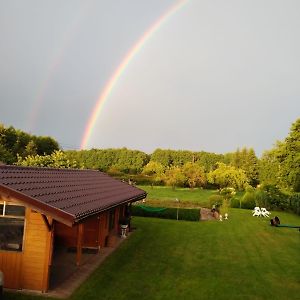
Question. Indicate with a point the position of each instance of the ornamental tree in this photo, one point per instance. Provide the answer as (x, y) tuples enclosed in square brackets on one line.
[(195, 175), (228, 176)]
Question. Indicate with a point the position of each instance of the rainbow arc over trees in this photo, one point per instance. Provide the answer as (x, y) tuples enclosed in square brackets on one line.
[(111, 83)]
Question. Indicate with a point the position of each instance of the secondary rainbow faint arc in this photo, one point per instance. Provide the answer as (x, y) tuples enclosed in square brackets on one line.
[(121, 68)]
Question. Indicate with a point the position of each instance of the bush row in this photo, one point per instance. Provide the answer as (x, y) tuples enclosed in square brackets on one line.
[(138, 179), (186, 214), (270, 197)]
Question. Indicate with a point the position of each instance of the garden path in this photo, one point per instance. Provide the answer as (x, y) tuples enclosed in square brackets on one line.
[(206, 214)]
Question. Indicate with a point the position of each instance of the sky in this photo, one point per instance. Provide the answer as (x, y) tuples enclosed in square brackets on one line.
[(208, 75)]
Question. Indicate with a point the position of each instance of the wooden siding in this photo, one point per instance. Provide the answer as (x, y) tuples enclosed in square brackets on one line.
[(65, 235), (103, 231), (117, 219), (30, 268), (11, 266), (37, 254), (11, 261)]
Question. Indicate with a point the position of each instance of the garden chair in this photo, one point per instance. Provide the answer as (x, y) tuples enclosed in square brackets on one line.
[(256, 212), (264, 212)]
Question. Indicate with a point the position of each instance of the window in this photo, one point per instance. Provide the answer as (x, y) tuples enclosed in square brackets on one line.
[(14, 210), (12, 219)]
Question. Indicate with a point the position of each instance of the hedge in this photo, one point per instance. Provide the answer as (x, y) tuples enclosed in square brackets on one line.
[(187, 214), (294, 203)]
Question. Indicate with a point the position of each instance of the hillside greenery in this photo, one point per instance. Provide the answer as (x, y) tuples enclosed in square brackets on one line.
[(277, 172)]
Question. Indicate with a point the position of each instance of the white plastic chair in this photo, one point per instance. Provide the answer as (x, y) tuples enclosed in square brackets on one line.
[(265, 213), (256, 212)]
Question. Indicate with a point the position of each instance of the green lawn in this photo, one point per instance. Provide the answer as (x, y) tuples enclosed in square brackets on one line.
[(242, 258), (166, 196)]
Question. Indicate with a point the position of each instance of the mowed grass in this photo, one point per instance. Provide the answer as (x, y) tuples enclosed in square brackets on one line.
[(242, 258), (166, 196)]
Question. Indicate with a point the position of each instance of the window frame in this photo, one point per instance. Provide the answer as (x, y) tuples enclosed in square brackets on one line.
[(5, 203)]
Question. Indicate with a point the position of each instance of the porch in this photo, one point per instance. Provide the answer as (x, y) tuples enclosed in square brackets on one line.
[(66, 276)]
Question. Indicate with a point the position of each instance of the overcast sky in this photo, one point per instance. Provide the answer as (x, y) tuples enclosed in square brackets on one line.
[(217, 75)]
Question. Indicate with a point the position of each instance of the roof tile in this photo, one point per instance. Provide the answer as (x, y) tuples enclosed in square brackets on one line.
[(79, 193)]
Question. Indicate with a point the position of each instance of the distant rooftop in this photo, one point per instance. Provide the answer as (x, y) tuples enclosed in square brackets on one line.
[(68, 195)]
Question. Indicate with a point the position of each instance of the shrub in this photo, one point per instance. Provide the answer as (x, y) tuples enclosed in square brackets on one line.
[(235, 203), (272, 197), (294, 203), (261, 198), (227, 192), (248, 200), (168, 213), (250, 189), (216, 200), (139, 179)]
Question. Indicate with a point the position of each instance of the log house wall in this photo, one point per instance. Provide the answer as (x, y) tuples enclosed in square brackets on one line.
[(29, 269)]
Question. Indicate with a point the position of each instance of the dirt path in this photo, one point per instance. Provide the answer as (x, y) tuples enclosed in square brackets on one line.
[(206, 214)]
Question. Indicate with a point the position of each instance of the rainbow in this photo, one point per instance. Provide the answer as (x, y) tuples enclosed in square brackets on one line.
[(39, 99), (55, 64), (111, 83)]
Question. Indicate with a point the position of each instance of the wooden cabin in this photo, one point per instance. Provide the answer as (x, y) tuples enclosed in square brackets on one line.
[(41, 208)]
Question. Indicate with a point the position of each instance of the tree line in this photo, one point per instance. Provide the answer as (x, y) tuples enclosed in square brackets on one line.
[(16, 143), (279, 166)]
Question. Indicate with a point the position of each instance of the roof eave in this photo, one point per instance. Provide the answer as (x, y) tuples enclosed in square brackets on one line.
[(43, 208), (79, 219)]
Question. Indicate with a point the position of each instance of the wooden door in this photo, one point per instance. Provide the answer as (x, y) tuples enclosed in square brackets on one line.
[(91, 233), (103, 229)]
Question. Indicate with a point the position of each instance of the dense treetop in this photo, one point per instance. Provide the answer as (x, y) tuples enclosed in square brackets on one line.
[(14, 142)]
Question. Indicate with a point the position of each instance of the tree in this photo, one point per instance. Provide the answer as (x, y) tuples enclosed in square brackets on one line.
[(251, 167), (45, 145), (30, 149), (22, 141), (162, 156), (16, 142), (58, 159), (6, 156), (153, 168), (289, 158), (174, 177), (208, 160), (227, 193), (228, 176), (130, 161), (269, 168), (8, 137), (194, 174), (246, 160), (281, 165)]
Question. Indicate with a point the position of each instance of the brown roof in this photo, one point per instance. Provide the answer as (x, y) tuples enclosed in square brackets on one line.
[(69, 195)]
